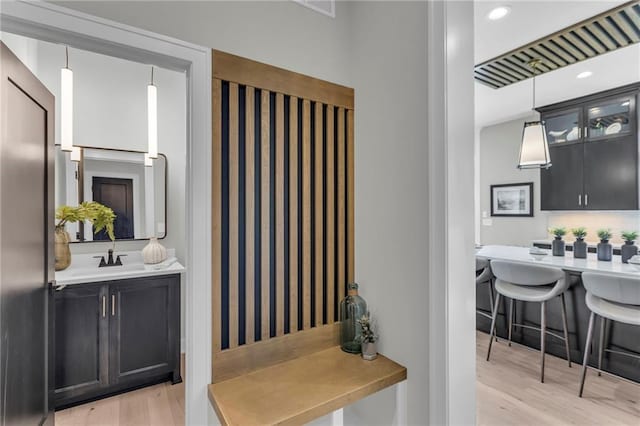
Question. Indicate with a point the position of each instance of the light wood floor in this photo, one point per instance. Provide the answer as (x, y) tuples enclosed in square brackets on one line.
[(509, 391), (157, 405)]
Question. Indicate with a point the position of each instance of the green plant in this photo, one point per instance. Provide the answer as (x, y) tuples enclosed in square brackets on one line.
[(630, 236), (101, 216), (604, 234), (580, 232), (558, 232), (368, 335)]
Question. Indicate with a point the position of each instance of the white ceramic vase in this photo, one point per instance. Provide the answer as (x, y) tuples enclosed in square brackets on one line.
[(154, 252)]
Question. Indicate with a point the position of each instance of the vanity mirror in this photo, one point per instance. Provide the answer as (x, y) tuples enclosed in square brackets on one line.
[(119, 180)]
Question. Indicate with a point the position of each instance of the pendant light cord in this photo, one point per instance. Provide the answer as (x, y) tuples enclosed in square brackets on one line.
[(66, 49), (152, 75)]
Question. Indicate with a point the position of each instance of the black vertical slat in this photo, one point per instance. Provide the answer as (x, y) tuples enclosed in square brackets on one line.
[(272, 214), (336, 223), (287, 281), (300, 215), (324, 216), (242, 236), (347, 196), (257, 295), (225, 218), (312, 149)]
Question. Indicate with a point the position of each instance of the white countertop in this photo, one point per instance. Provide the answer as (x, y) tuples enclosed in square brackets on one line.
[(84, 268), (566, 262)]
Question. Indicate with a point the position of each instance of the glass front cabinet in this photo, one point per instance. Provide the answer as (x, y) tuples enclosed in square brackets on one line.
[(593, 143)]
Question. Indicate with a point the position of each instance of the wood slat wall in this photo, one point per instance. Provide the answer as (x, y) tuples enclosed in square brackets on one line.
[(282, 206)]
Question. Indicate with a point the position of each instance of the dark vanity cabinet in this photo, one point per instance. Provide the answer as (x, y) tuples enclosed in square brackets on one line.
[(593, 143), (114, 336)]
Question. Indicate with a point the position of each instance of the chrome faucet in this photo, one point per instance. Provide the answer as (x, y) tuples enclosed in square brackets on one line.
[(110, 261)]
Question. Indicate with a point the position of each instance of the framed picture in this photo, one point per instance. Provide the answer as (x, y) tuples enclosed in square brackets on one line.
[(512, 199)]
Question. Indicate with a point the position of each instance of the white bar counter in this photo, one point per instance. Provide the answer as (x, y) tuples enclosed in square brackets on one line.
[(566, 262)]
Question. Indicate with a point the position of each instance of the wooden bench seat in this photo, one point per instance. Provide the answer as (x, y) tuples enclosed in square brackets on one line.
[(302, 389)]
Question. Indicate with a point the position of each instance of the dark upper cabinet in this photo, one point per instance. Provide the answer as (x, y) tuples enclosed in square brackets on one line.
[(116, 335), (593, 143)]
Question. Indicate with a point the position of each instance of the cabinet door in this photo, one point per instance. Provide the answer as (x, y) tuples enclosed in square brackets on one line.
[(81, 342), (561, 185), (563, 127), (144, 328), (611, 174), (610, 118)]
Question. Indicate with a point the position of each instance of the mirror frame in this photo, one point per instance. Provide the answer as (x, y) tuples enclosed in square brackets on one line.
[(166, 192)]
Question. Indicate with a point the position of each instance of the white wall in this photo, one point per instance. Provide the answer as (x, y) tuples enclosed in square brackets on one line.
[(389, 70), (498, 153)]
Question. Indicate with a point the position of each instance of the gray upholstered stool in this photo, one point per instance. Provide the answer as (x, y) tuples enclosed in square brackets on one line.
[(530, 283), (484, 275), (611, 298)]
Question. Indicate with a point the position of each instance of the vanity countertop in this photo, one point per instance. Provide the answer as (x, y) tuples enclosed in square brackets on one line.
[(84, 268)]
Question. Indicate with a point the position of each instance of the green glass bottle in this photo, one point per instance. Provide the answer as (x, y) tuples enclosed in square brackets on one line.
[(352, 308)]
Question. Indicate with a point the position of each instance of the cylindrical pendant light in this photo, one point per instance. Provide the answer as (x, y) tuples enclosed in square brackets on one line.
[(76, 154), (534, 148), (66, 106), (152, 118)]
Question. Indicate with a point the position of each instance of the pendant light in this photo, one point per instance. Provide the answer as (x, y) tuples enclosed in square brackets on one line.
[(152, 118), (534, 150), (66, 106)]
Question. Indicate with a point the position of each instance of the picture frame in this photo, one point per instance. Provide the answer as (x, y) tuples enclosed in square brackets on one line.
[(512, 200)]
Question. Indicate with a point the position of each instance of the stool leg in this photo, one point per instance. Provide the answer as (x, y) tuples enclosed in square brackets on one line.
[(491, 299), (493, 324), (566, 328), (543, 333), (603, 323), (586, 353), (510, 319)]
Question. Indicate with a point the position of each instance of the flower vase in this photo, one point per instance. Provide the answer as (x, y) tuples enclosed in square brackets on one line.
[(605, 251), (580, 249), (369, 351), (557, 246), (154, 252), (61, 249), (627, 251)]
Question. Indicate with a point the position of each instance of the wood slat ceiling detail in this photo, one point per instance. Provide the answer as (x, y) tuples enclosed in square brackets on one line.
[(606, 32)]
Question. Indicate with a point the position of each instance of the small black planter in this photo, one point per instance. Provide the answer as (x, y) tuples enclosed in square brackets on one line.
[(580, 249), (557, 246), (628, 250), (605, 251)]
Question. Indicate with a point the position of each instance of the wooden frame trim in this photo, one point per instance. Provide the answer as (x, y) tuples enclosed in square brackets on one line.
[(240, 70)]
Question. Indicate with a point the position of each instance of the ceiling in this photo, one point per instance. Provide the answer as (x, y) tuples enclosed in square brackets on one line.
[(528, 21)]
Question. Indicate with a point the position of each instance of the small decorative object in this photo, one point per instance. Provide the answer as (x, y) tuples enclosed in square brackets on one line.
[(352, 308), (101, 217), (154, 252), (635, 262), (628, 249), (605, 251), (557, 245), (537, 253), (513, 199), (368, 338), (579, 246)]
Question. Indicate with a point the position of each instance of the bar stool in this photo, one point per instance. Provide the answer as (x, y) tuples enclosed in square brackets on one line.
[(484, 275), (530, 283), (610, 298)]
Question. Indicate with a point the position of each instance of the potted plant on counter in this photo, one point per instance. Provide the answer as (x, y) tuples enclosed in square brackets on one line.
[(605, 251), (100, 216), (628, 249), (579, 246), (368, 338), (557, 245)]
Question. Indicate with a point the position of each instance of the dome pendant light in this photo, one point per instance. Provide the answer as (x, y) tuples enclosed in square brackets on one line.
[(66, 106), (534, 150), (152, 118)]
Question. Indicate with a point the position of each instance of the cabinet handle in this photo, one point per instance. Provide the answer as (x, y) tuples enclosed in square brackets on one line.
[(104, 306), (579, 199), (113, 305), (586, 199)]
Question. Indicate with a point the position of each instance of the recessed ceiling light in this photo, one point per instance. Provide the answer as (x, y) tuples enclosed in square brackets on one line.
[(584, 74), (499, 13)]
